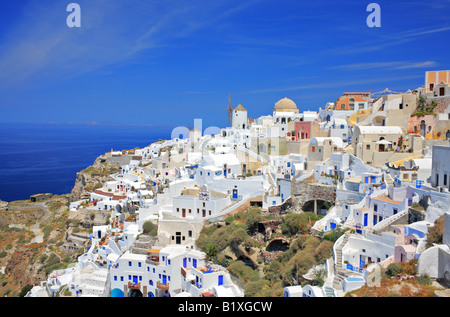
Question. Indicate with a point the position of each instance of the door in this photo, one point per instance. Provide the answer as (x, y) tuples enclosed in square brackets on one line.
[(220, 281), (184, 263), (361, 261), (194, 263), (365, 220), (164, 279), (235, 193), (135, 279)]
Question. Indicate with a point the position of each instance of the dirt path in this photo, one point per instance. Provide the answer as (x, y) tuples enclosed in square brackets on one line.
[(39, 236)]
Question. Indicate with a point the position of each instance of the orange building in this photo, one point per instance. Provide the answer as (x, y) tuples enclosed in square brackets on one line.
[(434, 78), (352, 101)]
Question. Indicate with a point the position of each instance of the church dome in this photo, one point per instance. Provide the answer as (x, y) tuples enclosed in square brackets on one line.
[(286, 105)]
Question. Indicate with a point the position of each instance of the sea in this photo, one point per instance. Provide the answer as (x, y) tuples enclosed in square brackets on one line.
[(44, 158)]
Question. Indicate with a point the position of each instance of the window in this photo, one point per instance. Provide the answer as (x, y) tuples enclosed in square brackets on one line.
[(375, 207), (405, 176), (129, 263), (115, 278), (139, 264), (313, 149), (121, 278), (414, 176), (368, 147), (395, 211)]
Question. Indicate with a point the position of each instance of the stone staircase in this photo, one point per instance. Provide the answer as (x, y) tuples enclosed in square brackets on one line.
[(340, 273), (389, 180), (329, 291), (144, 243)]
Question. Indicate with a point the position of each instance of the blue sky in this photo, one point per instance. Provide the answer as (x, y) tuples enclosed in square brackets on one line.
[(158, 62)]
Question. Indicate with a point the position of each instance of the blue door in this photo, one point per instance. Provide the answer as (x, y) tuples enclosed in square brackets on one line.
[(235, 193), (365, 220), (184, 263), (361, 262), (220, 282), (135, 279), (333, 225), (374, 220), (194, 263), (164, 279)]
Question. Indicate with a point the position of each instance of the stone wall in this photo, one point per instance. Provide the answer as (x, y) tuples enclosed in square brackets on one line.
[(304, 192)]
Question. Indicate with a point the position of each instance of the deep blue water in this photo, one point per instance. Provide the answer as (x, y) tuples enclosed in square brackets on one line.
[(44, 158)]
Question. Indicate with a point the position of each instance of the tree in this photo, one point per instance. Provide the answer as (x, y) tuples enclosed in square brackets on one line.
[(149, 228), (25, 290), (211, 252), (436, 232)]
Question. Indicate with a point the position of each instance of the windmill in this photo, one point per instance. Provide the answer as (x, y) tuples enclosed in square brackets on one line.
[(230, 109), (386, 91)]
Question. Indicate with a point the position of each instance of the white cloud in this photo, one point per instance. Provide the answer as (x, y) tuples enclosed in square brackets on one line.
[(336, 84), (388, 65)]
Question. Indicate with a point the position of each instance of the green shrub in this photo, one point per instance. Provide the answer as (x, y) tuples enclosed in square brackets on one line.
[(149, 228), (394, 269), (25, 290), (424, 279)]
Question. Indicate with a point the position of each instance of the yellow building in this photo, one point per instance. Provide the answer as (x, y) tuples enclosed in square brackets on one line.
[(434, 78)]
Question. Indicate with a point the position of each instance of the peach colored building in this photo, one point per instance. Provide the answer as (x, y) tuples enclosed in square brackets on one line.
[(352, 101), (422, 125), (434, 78)]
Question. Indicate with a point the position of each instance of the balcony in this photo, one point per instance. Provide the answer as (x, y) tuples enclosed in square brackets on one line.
[(164, 287), (132, 285), (152, 260)]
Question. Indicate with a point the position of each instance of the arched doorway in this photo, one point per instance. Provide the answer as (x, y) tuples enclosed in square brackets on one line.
[(117, 292), (317, 206), (422, 128)]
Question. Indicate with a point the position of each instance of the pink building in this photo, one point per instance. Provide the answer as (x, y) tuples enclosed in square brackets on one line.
[(303, 130)]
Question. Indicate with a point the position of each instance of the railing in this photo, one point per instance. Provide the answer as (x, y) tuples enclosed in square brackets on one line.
[(132, 285), (152, 260), (162, 286), (354, 268)]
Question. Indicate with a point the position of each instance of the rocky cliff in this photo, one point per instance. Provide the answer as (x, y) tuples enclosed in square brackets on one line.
[(93, 177)]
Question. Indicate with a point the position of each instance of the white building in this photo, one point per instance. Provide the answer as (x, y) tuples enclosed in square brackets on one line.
[(239, 118), (167, 272), (440, 169), (199, 203)]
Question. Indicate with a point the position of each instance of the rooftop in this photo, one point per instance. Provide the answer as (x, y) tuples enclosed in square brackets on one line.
[(387, 199)]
